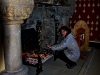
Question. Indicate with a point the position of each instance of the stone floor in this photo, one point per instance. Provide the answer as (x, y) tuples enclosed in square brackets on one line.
[(88, 66)]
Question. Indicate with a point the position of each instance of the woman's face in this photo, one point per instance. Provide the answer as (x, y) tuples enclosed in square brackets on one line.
[(63, 32)]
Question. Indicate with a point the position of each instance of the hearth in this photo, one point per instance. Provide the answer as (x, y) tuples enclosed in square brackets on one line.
[(30, 47)]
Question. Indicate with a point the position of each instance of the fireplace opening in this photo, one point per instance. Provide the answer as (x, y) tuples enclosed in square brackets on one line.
[(30, 48)]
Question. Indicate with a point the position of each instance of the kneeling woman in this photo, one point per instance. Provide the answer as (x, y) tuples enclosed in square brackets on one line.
[(67, 49)]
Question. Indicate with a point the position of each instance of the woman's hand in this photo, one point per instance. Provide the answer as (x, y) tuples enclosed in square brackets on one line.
[(48, 45)]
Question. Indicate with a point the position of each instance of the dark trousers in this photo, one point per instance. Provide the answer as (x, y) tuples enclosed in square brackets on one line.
[(61, 55)]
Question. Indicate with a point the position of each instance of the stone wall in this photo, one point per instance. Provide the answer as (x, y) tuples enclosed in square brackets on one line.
[(49, 14)]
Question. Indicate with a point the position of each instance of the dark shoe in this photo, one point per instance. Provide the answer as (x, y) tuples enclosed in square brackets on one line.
[(55, 55), (71, 66)]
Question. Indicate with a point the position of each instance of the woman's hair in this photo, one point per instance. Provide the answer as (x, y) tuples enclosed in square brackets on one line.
[(66, 29)]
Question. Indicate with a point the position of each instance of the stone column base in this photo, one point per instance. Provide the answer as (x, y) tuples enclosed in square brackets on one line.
[(24, 71)]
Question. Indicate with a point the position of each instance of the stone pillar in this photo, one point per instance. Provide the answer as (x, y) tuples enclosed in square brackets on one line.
[(12, 14)]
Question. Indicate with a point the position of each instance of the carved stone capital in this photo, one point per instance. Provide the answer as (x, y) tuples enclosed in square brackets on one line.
[(15, 11)]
